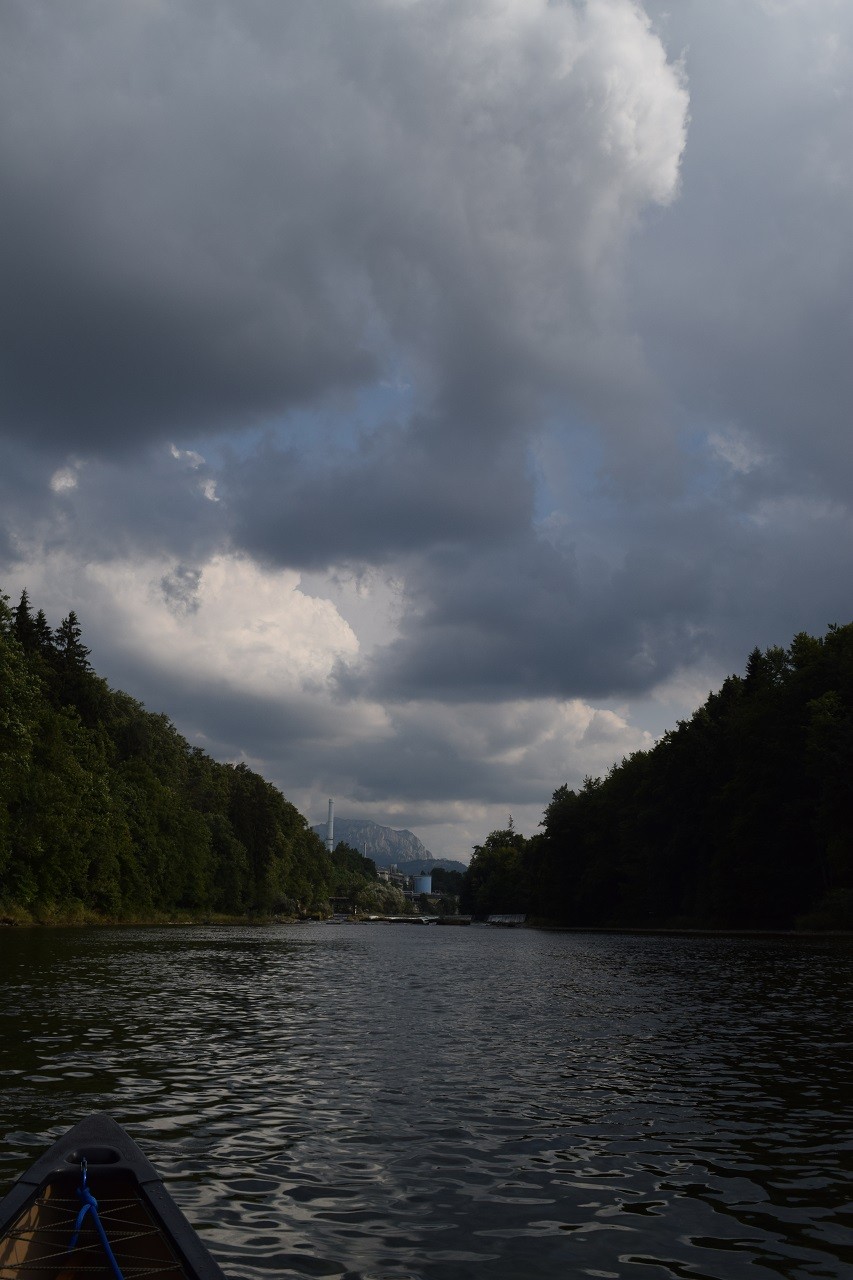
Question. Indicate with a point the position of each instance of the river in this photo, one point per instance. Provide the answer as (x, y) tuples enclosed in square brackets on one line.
[(367, 1101)]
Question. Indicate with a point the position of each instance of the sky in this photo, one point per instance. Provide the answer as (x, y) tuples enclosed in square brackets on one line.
[(427, 402)]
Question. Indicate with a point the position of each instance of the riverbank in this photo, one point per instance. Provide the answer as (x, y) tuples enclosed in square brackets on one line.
[(83, 917)]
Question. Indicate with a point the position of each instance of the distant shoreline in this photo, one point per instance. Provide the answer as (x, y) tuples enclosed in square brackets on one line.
[(89, 920), (188, 920), (694, 933)]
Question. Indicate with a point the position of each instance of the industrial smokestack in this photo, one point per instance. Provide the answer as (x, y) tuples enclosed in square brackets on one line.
[(330, 827)]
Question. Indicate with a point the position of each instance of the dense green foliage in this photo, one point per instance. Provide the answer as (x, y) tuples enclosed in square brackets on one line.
[(447, 883), (106, 810), (496, 880), (741, 817)]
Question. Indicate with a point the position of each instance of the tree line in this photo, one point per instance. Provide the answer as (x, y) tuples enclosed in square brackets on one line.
[(106, 811), (740, 817)]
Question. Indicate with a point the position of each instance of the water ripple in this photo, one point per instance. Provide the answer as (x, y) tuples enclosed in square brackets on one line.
[(441, 1104)]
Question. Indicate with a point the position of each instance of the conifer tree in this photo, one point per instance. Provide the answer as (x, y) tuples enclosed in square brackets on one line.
[(44, 634), (72, 653), (75, 681), (24, 627)]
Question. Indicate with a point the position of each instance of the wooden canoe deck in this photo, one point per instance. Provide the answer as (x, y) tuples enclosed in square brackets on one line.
[(35, 1247)]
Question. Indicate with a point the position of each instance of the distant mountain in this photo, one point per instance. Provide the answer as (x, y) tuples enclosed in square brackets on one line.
[(386, 846)]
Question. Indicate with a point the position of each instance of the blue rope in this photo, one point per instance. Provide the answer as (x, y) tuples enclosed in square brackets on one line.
[(90, 1205)]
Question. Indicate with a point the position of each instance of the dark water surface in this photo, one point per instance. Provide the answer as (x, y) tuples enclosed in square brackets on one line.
[(380, 1101)]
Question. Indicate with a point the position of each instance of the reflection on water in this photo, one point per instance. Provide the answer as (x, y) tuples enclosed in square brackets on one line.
[(366, 1101)]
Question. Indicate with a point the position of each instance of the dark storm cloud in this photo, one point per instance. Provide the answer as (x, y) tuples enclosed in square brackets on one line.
[(163, 264), (217, 215), (211, 216), (100, 368), (742, 292), (415, 761), (524, 619), (420, 763), (532, 619), (232, 723), (744, 295), (102, 510), (401, 489), (221, 216)]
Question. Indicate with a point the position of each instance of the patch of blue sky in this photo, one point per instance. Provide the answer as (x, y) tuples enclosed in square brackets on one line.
[(336, 423), (565, 460)]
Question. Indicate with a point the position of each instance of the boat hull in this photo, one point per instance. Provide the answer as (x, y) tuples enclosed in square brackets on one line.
[(146, 1230)]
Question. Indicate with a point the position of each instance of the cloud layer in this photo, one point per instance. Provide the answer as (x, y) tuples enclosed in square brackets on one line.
[(211, 218), (407, 393)]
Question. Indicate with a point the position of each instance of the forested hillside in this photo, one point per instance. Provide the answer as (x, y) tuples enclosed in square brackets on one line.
[(741, 817), (106, 810)]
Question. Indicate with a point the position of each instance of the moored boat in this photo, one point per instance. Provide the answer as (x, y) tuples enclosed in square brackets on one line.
[(93, 1206)]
